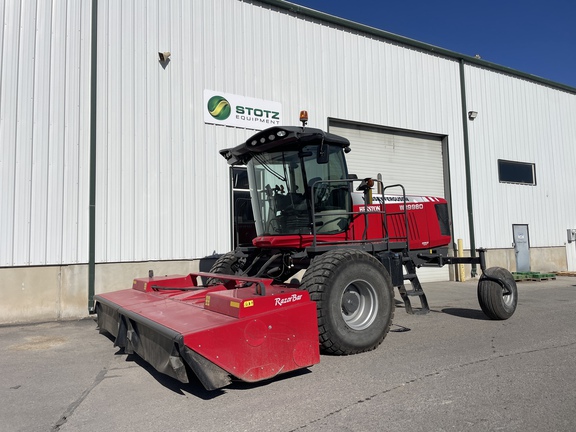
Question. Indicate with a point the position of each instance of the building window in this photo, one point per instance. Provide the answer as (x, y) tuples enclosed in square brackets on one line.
[(516, 172)]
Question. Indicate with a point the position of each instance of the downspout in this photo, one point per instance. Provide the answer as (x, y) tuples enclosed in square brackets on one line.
[(92, 211), (473, 271)]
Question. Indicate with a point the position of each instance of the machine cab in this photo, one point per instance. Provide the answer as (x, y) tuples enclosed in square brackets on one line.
[(288, 187), (298, 181)]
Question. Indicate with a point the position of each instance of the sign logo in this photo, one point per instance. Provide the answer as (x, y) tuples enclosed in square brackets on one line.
[(240, 111), (291, 299), (219, 107)]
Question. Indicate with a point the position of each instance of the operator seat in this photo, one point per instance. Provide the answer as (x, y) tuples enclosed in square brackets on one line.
[(331, 213)]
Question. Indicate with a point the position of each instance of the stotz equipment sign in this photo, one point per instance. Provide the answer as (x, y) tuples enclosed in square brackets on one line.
[(233, 110)]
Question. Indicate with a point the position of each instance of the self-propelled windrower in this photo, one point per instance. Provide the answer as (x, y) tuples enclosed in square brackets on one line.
[(320, 274)]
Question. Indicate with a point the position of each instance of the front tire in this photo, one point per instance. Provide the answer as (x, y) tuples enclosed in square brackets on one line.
[(355, 300), (497, 302), (227, 264)]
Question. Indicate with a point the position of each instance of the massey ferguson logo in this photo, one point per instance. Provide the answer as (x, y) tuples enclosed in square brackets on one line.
[(282, 301), (219, 107)]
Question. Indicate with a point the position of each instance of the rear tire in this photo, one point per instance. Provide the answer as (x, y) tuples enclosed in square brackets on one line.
[(354, 300), (495, 302)]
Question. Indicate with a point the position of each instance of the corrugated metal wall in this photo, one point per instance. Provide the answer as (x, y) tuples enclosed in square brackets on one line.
[(162, 185), (162, 188), (527, 122), (44, 129)]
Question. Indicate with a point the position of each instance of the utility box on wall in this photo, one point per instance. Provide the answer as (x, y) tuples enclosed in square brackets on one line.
[(571, 235)]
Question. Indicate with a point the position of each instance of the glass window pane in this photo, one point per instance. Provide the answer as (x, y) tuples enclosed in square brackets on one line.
[(239, 178), (516, 172)]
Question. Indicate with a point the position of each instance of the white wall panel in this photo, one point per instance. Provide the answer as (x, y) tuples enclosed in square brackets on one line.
[(164, 185), (526, 122), (41, 153), (8, 118), (76, 134), (7, 138), (24, 126), (162, 188)]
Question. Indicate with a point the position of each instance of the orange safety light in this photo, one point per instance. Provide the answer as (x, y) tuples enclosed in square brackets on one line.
[(304, 117)]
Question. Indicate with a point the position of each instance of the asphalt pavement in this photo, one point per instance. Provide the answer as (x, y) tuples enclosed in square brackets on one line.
[(449, 370)]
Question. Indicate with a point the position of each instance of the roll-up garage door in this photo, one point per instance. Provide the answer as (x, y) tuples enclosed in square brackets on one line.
[(413, 160)]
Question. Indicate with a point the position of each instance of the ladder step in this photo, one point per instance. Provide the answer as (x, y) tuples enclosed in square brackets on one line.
[(416, 290), (414, 293), (406, 294)]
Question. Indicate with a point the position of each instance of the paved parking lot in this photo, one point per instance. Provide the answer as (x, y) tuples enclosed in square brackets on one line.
[(449, 370)]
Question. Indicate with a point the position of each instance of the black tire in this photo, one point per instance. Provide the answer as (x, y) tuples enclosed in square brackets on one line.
[(354, 300), (228, 264), (496, 302)]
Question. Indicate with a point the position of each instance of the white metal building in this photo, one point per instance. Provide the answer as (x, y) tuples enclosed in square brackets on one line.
[(108, 167)]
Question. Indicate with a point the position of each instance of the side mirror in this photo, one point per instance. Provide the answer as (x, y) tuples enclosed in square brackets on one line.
[(323, 154)]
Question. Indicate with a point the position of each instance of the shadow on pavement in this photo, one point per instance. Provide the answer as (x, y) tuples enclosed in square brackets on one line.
[(466, 313), (196, 388)]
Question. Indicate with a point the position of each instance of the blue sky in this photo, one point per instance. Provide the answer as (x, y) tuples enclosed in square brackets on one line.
[(535, 37)]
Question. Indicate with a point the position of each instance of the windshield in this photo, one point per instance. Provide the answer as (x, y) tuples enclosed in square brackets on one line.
[(284, 184)]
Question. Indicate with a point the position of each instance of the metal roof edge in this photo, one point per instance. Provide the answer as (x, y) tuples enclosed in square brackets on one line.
[(322, 16)]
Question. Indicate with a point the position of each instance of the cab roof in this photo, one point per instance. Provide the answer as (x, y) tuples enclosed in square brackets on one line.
[(280, 138)]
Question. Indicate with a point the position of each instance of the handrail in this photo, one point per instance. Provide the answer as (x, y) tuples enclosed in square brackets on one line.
[(404, 212), (317, 215)]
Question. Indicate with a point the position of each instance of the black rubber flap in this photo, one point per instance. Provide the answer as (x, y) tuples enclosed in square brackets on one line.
[(161, 347), (210, 375)]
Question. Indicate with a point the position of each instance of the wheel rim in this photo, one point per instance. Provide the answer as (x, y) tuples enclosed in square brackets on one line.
[(359, 305), (507, 299)]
